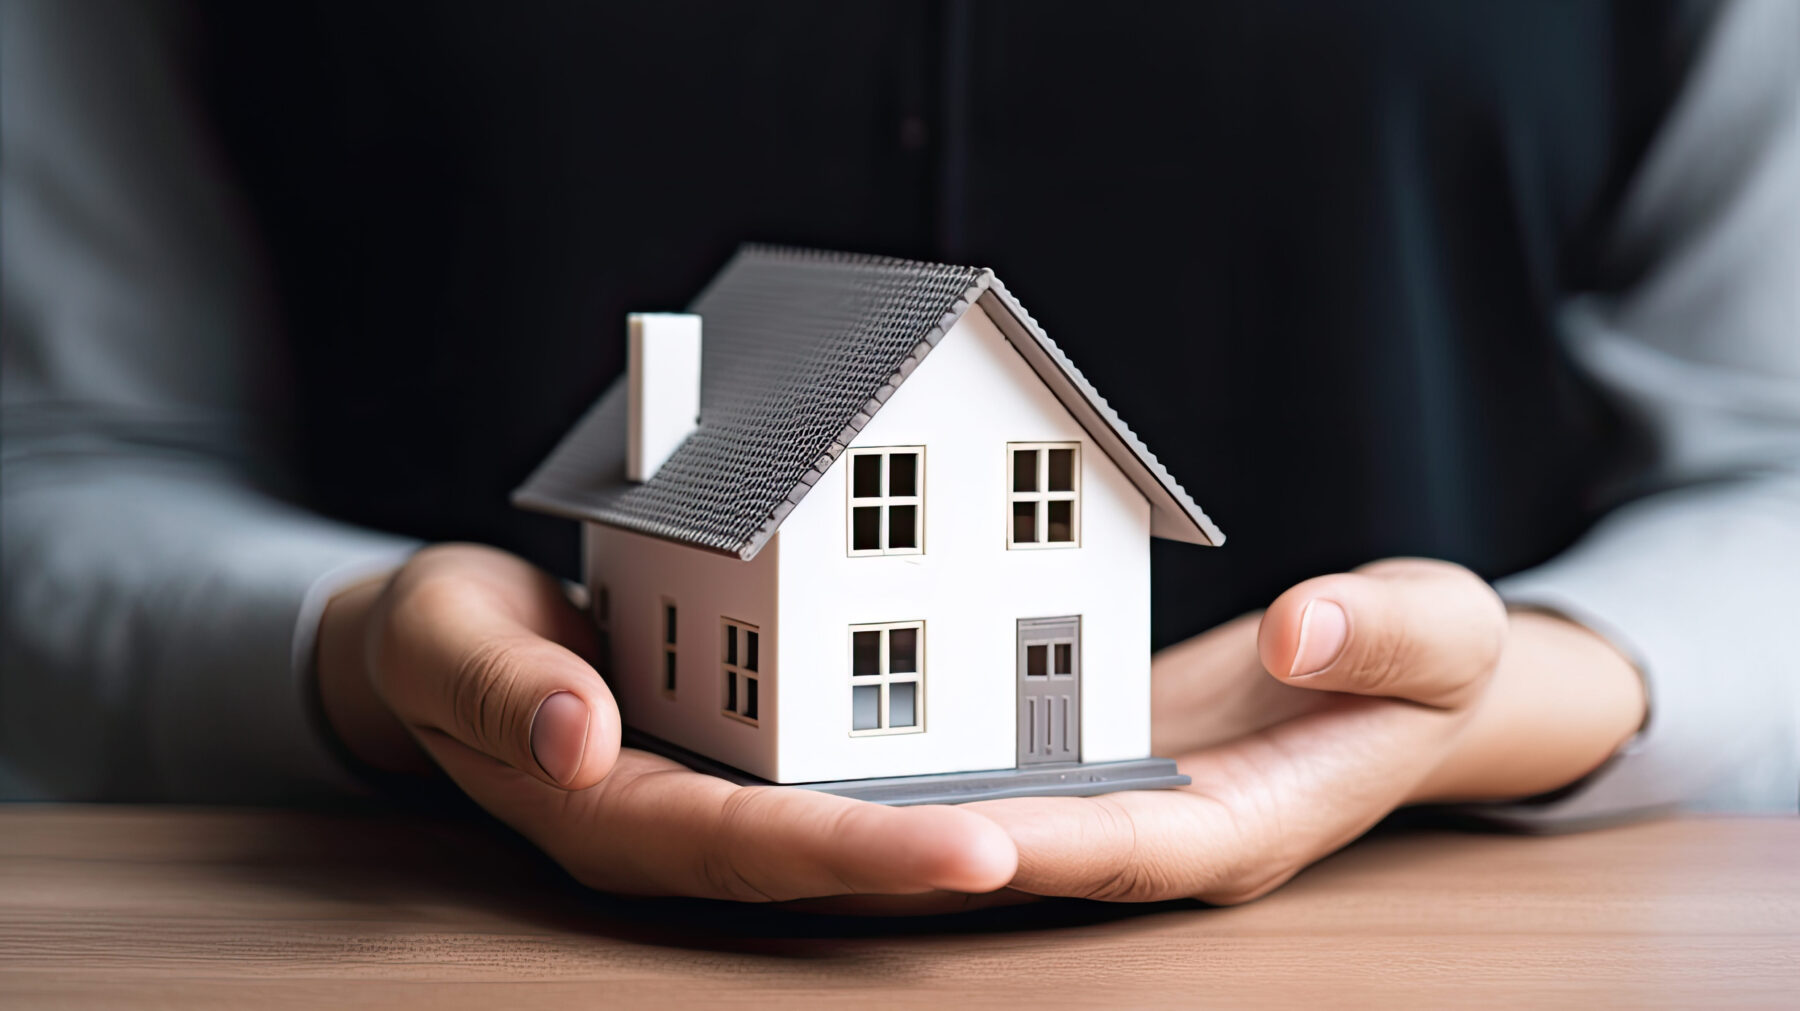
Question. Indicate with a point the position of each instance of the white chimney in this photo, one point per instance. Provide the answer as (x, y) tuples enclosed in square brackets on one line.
[(663, 398)]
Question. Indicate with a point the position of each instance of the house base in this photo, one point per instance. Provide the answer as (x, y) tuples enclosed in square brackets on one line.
[(1076, 779)]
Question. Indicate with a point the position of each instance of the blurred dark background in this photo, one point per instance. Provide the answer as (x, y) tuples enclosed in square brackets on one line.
[(1312, 251)]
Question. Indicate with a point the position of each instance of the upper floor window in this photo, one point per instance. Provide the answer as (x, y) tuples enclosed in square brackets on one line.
[(887, 501), (1043, 498)]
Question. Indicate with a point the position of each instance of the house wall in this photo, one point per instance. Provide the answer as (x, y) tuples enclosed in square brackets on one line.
[(638, 572), (970, 396)]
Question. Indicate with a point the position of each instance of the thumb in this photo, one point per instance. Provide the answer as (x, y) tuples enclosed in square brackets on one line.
[(1408, 628), (469, 648)]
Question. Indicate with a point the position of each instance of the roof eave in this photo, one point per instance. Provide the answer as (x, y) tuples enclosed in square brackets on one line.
[(1174, 515)]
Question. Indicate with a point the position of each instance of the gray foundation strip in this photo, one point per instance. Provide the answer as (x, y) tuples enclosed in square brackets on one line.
[(1086, 779)]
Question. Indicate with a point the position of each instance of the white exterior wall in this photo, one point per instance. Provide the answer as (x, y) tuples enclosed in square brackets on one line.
[(971, 396), (638, 573)]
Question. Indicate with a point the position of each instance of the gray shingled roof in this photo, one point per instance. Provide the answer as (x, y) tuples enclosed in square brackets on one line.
[(800, 348)]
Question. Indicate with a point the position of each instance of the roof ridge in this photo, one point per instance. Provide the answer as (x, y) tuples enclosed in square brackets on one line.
[(954, 312), (812, 254), (840, 342)]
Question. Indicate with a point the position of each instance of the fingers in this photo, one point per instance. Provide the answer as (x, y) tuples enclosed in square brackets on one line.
[(1211, 688), (1406, 628), (655, 828), (477, 644), (1260, 809)]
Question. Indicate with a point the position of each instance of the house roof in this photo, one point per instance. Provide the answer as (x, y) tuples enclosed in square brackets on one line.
[(800, 348)]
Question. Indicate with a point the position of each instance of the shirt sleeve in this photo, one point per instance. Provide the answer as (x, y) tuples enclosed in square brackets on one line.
[(1697, 579), (159, 596)]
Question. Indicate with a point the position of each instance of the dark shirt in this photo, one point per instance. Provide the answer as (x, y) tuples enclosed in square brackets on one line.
[(1310, 250), (1449, 279)]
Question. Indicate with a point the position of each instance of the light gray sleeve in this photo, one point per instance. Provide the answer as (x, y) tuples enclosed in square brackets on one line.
[(159, 605), (1699, 580)]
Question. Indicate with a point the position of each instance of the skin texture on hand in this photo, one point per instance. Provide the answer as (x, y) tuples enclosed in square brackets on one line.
[(471, 659), (655, 827), (476, 644), (1354, 694), (1304, 728)]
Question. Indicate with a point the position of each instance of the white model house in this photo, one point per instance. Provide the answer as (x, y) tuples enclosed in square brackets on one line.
[(858, 519)]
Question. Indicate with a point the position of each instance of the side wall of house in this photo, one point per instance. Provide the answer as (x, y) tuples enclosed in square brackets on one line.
[(638, 574), (971, 396)]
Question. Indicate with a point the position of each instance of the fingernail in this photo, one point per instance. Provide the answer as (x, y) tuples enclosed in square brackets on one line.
[(1323, 630), (559, 735)]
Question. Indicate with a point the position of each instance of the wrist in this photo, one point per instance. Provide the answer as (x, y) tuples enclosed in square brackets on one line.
[(1560, 702), (353, 710)]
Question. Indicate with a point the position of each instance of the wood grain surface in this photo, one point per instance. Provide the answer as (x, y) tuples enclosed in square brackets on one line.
[(142, 907)]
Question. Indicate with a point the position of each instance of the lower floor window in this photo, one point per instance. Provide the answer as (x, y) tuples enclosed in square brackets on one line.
[(887, 677), (742, 665)]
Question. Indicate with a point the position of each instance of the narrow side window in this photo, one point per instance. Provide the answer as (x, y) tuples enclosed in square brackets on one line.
[(668, 640), (602, 629), (741, 662)]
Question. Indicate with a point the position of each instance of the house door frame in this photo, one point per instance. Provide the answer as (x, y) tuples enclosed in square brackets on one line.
[(1049, 699)]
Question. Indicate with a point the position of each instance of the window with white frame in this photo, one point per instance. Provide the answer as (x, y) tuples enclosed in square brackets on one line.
[(1043, 494), (668, 646), (742, 662), (887, 501), (887, 678)]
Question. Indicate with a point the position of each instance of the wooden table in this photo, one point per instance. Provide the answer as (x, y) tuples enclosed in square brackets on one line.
[(120, 906)]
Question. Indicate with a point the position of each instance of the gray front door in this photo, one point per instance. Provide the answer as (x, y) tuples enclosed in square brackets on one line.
[(1049, 690)]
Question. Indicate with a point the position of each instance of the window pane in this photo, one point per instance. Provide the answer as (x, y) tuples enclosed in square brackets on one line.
[(731, 645), (865, 480), (903, 522), (1024, 470), (750, 699), (903, 650), (750, 646), (865, 653), (865, 534), (668, 672), (864, 701), (1065, 658), (1062, 470), (1035, 657), (1061, 525), (1024, 516), (731, 691), (902, 696), (669, 624), (903, 474)]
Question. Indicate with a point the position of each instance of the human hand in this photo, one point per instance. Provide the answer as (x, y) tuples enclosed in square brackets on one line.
[(474, 643), (655, 827), (457, 653), (1354, 694)]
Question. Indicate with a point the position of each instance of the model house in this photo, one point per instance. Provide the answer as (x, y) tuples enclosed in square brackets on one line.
[(854, 521)]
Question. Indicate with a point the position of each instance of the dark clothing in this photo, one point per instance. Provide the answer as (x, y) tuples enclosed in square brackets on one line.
[(1311, 251), (1453, 279)]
